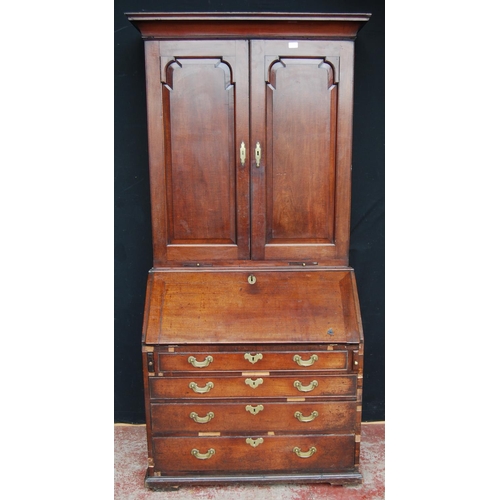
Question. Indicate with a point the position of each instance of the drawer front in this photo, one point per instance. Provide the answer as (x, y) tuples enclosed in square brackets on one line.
[(254, 416), (254, 386), (254, 360), (319, 453)]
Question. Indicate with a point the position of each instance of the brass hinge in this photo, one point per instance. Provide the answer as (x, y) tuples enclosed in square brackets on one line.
[(196, 264), (303, 264), (151, 462)]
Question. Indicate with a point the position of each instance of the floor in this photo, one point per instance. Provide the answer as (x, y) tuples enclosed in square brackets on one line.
[(131, 462)]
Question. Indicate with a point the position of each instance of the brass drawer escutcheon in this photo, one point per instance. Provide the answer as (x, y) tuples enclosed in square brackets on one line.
[(310, 362), (254, 442), (203, 456), (253, 359), (305, 388), (202, 420), (201, 390), (298, 415), (254, 383), (305, 454), (254, 409), (200, 364)]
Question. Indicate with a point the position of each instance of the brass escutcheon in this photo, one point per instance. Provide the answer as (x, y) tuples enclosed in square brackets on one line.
[(252, 279), (253, 359), (310, 362), (254, 383), (254, 409), (305, 388), (200, 364), (254, 442)]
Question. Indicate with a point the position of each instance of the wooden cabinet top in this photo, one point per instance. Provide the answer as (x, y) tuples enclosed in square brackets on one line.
[(162, 25)]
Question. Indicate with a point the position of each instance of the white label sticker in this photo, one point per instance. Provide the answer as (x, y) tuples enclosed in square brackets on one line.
[(293, 45)]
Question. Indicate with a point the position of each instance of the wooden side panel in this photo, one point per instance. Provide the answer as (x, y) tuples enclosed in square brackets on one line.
[(299, 116)]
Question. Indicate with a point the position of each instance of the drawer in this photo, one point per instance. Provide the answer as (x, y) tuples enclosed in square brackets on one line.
[(253, 360), (254, 416), (253, 386), (292, 453)]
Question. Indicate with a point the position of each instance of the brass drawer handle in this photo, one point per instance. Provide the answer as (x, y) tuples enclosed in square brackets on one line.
[(253, 359), (200, 364), (201, 390), (203, 456), (305, 454), (311, 361), (305, 388), (298, 415), (254, 409), (254, 442), (202, 420), (253, 383)]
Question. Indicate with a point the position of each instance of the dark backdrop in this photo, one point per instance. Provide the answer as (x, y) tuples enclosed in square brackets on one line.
[(133, 249)]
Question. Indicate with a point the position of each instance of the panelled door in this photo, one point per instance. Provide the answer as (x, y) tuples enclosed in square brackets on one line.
[(203, 214), (300, 113), (255, 139)]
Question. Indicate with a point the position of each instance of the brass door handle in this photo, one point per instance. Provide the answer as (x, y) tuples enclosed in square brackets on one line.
[(203, 456), (253, 383), (305, 454), (200, 364), (258, 154), (305, 388), (298, 415), (253, 359), (202, 420), (310, 362), (243, 154), (201, 390)]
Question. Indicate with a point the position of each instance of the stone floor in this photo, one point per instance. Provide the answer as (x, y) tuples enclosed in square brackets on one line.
[(131, 463)]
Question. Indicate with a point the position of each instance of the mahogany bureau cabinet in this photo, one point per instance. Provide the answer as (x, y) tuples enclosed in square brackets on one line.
[(252, 340)]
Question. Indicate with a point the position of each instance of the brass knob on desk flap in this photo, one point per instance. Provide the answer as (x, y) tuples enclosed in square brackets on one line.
[(252, 279)]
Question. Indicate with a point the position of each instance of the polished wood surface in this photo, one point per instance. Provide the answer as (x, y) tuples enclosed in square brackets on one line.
[(189, 306)]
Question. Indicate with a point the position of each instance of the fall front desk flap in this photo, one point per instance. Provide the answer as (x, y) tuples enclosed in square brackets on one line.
[(251, 306)]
